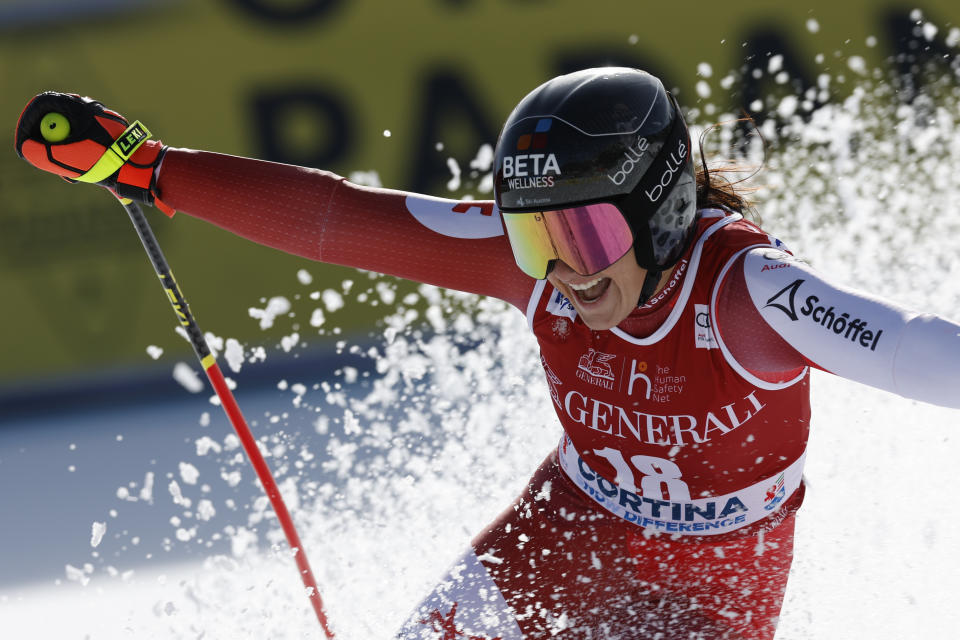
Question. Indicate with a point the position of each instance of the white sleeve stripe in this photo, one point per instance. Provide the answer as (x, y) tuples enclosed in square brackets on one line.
[(534, 300)]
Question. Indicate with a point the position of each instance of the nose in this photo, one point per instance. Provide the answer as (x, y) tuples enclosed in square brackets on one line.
[(561, 269)]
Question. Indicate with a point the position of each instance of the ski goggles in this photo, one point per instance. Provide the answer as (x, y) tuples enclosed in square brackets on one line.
[(591, 237), (588, 238)]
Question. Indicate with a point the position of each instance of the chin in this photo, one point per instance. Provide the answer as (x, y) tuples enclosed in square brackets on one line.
[(598, 324), (600, 319)]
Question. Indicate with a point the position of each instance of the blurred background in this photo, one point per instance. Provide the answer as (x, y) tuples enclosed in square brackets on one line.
[(97, 413), (396, 88)]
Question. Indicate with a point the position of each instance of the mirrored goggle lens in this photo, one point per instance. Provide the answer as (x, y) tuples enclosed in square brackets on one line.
[(588, 239)]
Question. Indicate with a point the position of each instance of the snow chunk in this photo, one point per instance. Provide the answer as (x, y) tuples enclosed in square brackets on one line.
[(544, 493), (205, 510), (187, 377), (234, 354), (232, 478), (230, 442), (484, 158), (367, 178), (857, 64), (215, 343), (96, 533), (953, 37), (813, 26), (206, 444), (317, 318), (290, 341), (304, 276), (276, 306), (77, 575), (332, 299), (350, 374), (146, 492), (454, 183), (185, 535), (154, 351), (178, 498), (189, 473), (788, 106), (775, 65), (388, 294)]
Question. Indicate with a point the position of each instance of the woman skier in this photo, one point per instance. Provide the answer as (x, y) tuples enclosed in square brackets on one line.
[(676, 338)]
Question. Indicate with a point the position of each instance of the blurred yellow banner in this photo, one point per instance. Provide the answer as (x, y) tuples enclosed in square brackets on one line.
[(396, 88)]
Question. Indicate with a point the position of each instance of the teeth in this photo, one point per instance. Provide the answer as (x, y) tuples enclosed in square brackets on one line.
[(585, 285)]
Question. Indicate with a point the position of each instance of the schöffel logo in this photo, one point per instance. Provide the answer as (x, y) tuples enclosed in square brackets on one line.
[(840, 323), (532, 170)]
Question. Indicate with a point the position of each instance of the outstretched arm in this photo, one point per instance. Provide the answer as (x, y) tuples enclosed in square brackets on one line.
[(311, 213), (776, 314), (319, 215)]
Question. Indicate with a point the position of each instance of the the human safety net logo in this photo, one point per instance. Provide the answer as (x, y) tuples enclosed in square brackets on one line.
[(528, 168)]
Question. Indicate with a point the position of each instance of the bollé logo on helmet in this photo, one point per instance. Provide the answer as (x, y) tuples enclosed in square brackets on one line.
[(674, 161), (532, 170), (630, 159)]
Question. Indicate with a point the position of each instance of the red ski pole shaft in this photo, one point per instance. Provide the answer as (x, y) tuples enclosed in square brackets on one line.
[(229, 403)]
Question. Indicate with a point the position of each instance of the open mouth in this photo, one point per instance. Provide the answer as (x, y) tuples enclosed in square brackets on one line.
[(588, 292)]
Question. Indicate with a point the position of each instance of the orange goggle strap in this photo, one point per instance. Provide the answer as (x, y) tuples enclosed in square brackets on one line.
[(117, 153)]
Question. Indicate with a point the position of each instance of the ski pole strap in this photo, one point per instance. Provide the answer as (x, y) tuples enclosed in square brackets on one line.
[(117, 153)]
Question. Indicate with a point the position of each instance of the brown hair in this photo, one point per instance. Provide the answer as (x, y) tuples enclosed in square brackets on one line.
[(715, 189)]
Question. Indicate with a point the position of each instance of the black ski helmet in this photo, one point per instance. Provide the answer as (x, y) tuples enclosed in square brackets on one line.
[(609, 134)]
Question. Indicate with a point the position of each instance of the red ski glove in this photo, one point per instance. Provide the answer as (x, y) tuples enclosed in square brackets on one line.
[(81, 141)]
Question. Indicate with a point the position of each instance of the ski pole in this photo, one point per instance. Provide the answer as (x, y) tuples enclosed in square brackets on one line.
[(229, 403)]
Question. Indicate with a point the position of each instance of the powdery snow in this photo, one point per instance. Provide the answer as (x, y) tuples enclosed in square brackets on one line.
[(96, 533)]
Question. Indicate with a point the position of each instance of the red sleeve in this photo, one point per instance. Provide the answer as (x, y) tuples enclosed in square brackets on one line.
[(319, 215), (751, 341)]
